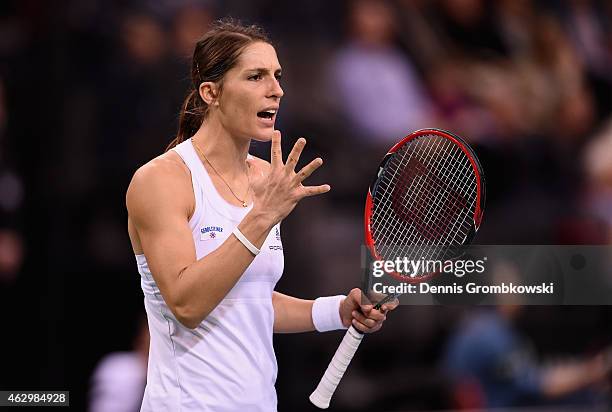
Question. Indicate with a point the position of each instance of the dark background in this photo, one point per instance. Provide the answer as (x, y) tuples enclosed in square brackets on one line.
[(90, 90)]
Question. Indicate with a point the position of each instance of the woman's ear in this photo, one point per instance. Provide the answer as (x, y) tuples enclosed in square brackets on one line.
[(209, 92)]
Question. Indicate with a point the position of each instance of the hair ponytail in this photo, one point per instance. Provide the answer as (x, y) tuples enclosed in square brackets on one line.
[(214, 54), (191, 117)]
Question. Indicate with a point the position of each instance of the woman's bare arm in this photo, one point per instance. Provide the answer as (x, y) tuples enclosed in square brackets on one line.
[(292, 315), (158, 202)]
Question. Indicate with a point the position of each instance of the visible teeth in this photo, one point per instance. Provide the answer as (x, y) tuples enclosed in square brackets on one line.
[(267, 114)]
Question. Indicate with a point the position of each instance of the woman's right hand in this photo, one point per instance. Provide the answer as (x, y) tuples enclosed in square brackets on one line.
[(277, 190)]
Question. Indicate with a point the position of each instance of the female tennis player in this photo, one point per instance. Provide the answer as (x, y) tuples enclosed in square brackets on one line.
[(204, 221)]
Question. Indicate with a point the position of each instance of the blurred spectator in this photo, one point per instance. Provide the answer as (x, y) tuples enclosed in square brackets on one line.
[(11, 203), (456, 107), (515, 19), (377, 85), (144, 39), (11, 193), (598, 164), (11, 255), (118, 382), (418, 32), (467, 27), (140, 96), (189, 24), (492, 366), (558, 61), (539, 89), (3, 110), (587, 24)]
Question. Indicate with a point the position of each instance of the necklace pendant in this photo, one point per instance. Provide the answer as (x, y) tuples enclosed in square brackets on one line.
[(244, 204)]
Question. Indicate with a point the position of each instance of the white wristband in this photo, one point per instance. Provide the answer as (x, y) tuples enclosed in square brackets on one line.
[(245, 241), (326, 313)]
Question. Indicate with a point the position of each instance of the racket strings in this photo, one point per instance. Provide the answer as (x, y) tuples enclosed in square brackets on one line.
[(420, 185), (415, 186), (456, 205), (385, 214), (424, 200), (445, 205), (427, 227), (434, 218), (457, 233), (387, 180)]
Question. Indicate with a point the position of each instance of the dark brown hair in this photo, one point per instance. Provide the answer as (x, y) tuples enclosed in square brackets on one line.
[(214, 55)]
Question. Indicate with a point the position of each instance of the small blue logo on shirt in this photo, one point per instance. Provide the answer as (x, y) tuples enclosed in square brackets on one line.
[(210, 232)]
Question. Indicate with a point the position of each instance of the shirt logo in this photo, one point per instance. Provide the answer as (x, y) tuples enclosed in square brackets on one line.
[(210, 232), (278, 238)]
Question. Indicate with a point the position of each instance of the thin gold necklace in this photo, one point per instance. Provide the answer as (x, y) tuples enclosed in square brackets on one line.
[(244, 203)]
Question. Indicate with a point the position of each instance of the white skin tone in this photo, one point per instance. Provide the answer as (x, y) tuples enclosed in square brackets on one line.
[(160, 201)]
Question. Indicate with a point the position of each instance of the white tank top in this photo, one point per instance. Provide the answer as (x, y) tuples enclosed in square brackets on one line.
[(227, 363)]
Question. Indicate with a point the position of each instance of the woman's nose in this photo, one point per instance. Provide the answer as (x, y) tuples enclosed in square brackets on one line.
[(277, 90)]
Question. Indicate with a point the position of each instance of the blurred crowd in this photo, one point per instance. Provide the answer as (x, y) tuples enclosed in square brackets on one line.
[(90, 90)]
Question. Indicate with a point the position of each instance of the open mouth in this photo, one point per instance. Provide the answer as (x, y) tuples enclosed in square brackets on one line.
[(266, 114)]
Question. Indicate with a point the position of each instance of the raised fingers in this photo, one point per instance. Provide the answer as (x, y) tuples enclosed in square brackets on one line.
[(294, 156), (308, 169), (315, 190), (276, 154)]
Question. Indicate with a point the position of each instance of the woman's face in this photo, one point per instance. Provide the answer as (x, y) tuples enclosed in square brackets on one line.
[(251, 94)]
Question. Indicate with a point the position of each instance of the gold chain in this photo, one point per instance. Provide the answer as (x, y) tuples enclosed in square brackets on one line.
[(244, 203)]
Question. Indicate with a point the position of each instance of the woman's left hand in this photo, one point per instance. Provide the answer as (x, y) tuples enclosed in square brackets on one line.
[(363, 316)]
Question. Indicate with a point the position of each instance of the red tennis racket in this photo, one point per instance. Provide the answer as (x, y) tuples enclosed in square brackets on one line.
[(426, 202)]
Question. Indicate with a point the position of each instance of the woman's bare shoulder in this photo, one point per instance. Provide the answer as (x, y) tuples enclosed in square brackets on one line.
[(168, 166), (163, 179)]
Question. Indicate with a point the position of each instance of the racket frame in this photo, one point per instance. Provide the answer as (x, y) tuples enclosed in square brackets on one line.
[(370, 242), (330, 380)]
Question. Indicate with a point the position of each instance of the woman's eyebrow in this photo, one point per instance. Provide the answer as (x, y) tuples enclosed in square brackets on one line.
[(263, 70)]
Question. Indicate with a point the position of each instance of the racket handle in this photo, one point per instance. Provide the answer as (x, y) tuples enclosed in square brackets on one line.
[(331, 378)]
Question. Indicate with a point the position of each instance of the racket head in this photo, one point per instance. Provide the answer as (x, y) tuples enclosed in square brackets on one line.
[(426, 200)]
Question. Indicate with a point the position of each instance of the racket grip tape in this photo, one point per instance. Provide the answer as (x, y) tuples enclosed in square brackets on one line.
[(332, 376)]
